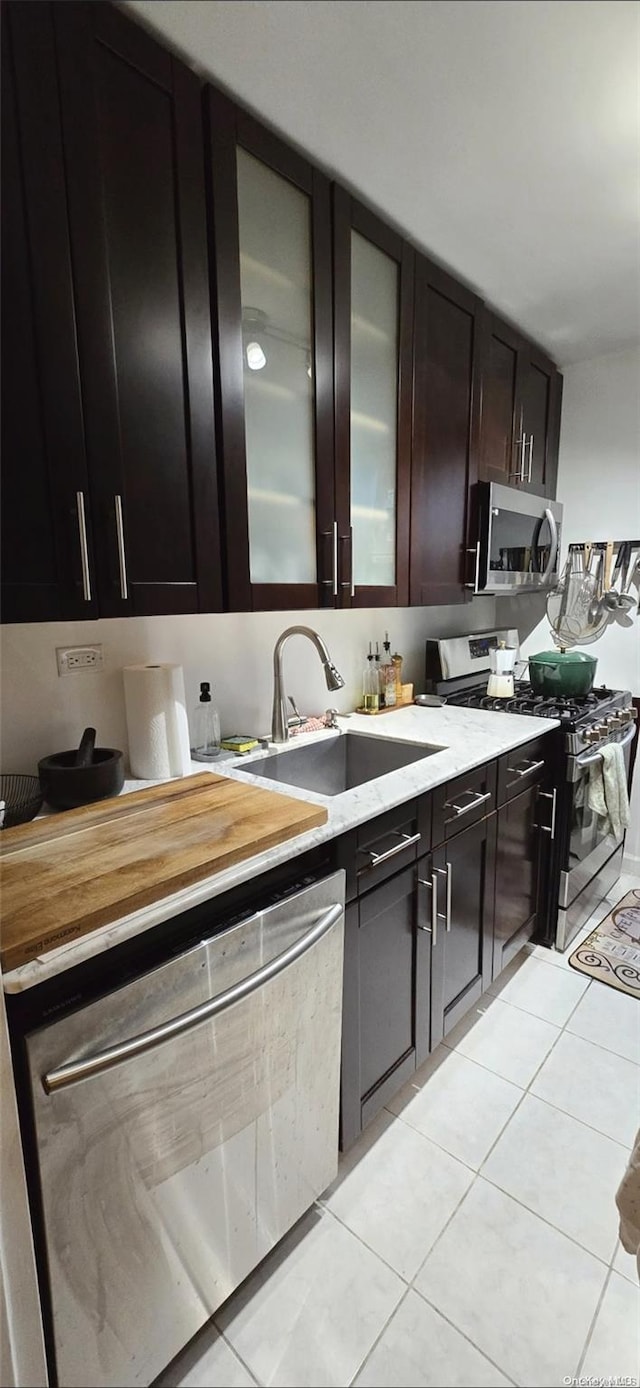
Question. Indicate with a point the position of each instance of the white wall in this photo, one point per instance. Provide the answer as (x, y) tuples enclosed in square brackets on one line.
[(599, 486), (44, 713)]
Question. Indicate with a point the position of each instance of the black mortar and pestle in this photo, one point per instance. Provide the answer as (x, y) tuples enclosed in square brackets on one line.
[(88, 773)]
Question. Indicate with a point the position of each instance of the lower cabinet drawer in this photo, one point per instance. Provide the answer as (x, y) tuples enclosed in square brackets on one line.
[(464, 801), (522, 768), (382, 846)]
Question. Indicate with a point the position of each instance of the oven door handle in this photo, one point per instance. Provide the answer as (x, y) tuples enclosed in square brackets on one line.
[(586, 758), (146, 1040)]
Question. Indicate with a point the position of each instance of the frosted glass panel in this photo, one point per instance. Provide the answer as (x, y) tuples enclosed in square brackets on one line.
[(374, 397), (275, 279)]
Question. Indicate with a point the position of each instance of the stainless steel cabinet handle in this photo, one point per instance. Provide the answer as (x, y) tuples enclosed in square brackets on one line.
[(330, 582), (407, 839), (122, 558), (476, 573), (146, 1040), (347, 540), (519, 476), (529, 767), (551, 795), (84, 548), (432, 929), (446, 872), (353, 577), (530, 457), (478, 799)]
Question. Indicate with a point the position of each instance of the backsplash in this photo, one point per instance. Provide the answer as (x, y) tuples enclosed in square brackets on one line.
[(43, 712)]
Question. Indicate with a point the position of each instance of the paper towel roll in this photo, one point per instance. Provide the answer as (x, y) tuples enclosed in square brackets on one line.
[(156, 721)]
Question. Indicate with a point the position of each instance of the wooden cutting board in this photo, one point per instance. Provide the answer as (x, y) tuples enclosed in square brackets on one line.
[(65, 875)]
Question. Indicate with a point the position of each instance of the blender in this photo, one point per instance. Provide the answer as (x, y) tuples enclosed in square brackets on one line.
[(503, 660)]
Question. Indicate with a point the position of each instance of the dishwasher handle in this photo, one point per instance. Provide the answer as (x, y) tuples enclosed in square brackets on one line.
[(136, 1045)]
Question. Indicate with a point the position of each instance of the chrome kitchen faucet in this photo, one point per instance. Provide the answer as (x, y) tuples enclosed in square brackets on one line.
[(280, 722)]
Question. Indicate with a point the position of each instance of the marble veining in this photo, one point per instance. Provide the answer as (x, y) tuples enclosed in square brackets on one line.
[(468, 738)]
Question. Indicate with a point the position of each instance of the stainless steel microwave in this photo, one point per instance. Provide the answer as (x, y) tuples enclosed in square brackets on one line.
[(518, 541)]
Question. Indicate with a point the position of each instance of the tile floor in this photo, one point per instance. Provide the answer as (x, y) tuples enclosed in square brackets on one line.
[(470, 1237)]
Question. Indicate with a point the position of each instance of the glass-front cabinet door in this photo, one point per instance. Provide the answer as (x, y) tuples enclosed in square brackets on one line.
[(271, 222), (373, 286)]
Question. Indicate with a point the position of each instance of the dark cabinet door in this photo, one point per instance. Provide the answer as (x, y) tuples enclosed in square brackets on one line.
[(444, 462), (373, 333), (461, 957), (386, 999), (500, 447), (136, 196), (521, 398), (46, 529), (541, 398), (521, 848), (270, 217)]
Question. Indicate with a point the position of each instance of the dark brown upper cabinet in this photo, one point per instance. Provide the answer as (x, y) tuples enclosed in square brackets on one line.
[(132, 130), (445, 434), (540, 390), (271, 257), (373, 311), (46, 545), (521, 396)]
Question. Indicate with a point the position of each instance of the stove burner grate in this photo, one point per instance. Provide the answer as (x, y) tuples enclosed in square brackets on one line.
[(569, 711)]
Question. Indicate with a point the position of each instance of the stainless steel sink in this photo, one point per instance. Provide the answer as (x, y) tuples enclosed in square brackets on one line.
[(337, 764)]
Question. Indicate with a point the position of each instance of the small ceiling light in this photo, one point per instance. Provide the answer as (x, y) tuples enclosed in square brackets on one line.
[(255, 356)]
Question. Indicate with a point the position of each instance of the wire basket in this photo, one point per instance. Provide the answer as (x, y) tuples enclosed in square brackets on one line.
[(22, 798)]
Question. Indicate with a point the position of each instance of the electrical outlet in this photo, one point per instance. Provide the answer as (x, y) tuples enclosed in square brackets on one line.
[(73, 658)]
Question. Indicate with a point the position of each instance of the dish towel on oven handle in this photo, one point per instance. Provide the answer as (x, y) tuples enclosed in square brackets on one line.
[(608, 794)]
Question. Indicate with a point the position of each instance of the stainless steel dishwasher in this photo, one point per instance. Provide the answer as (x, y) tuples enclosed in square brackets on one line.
[(183, 1122)]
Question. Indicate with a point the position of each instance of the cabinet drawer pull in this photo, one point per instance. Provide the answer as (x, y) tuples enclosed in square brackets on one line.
[(407, 840), (529, 766), (122, 558), (530, 457), (478, 799), (552, 796), (432, 929), (84, 548), (446, 872)]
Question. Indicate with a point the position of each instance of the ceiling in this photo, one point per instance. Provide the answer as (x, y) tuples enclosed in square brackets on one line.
[(503, 136)]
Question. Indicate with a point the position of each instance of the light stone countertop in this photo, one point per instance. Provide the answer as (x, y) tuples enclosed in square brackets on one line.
[(467, 737)]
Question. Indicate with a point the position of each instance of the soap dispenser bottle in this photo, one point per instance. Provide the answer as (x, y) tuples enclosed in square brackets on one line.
[(206, 727)]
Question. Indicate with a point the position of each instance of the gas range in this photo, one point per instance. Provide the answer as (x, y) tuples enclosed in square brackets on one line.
[(457, 669), (595, 719), (584, 857)]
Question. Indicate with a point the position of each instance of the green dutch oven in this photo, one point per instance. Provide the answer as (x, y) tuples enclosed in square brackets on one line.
[(567, 673)]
